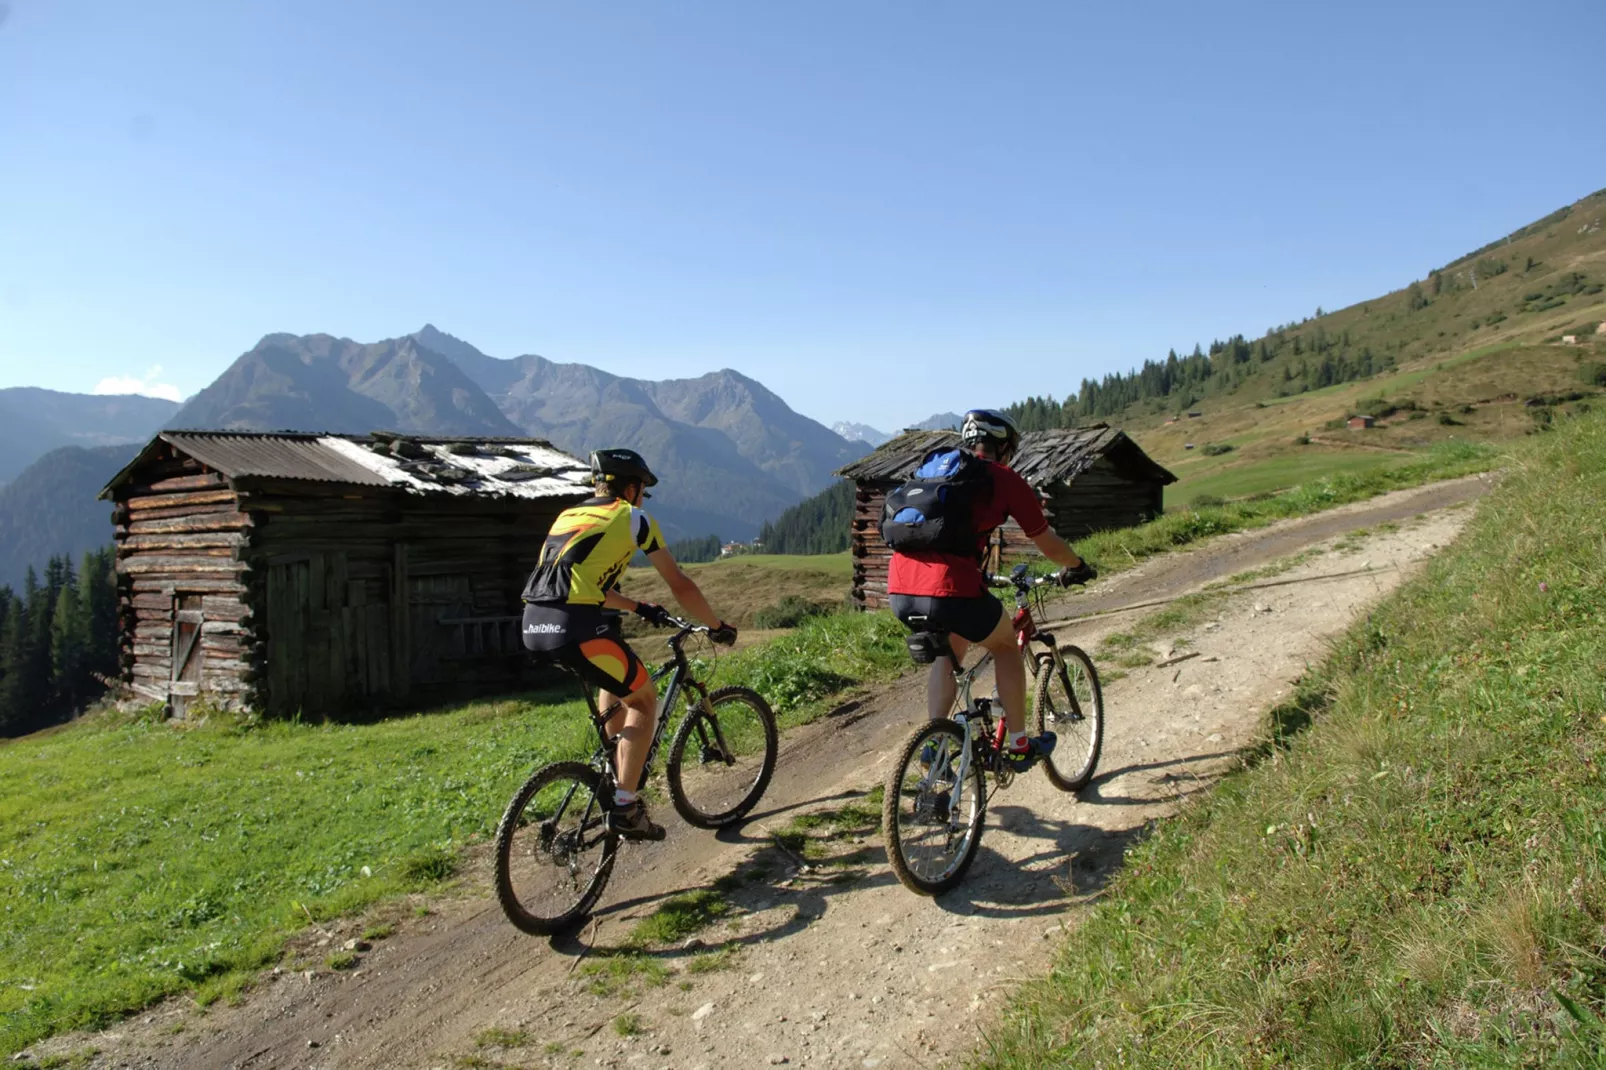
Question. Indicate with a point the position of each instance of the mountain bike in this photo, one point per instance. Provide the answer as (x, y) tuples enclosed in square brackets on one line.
[(555, 846), (936, 795)]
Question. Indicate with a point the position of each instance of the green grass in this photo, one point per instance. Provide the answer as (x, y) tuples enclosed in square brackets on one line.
[(140, 860), (1276, 473), (836, 564), (1417, 878), (502, 1038), (679, 917), (1122, 548)]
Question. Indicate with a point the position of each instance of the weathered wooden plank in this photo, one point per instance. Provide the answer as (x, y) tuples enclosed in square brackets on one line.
[(210, 540), (168, 583), (189, 521), (204, 481), (145, 565), (154, 513), (138, 506)]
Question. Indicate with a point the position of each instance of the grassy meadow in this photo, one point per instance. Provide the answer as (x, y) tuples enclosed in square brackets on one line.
[(743, 586), (1413, 872), (142, 859)]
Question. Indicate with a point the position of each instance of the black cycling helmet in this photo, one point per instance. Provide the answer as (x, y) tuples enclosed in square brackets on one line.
[(990, 425), (625, 465)]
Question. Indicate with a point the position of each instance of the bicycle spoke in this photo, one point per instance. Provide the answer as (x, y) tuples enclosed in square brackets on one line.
[(554, 850), (722, 757), (933, 819)]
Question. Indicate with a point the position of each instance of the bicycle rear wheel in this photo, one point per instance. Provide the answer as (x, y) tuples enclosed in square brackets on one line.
[(933, 823), (554, 850), (722, 758), (1071, 705)]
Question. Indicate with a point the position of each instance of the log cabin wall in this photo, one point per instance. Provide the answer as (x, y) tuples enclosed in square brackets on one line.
[(317, 596), (184, 621), (376, 601)]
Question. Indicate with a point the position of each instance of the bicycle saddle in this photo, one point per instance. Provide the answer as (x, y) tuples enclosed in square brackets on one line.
[(926, 647)]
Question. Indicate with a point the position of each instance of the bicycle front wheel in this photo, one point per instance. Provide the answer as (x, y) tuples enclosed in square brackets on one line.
[(932, 821), (554, 850), (1070, 704), (722, 758)]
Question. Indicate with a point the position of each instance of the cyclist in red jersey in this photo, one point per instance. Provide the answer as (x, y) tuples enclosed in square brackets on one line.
[(950, 590)]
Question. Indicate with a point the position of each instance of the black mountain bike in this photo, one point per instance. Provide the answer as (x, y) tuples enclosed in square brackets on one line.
[(555, 847), (936, 795)]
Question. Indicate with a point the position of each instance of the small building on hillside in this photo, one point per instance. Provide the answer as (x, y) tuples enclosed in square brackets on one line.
[(1088, 479), (1356, 423), (325, 573)]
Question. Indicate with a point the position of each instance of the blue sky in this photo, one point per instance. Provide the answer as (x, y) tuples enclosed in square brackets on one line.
[(879, 209)]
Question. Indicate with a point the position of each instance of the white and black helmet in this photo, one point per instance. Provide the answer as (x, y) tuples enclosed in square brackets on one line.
[(990, 425)]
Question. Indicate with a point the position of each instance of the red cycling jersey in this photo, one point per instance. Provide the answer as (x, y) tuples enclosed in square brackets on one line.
[(939, 575)]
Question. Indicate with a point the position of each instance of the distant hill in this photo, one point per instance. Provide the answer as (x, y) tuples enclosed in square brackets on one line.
[(942, 421), (322, 383), (731, 453), (50, 508), (860, 433), (1533, 286), (34, 421)]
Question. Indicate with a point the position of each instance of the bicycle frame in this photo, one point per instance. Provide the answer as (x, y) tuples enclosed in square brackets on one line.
[(1026, 633), (678, 671)]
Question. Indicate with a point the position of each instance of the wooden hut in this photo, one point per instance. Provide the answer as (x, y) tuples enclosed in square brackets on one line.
[(290, 572), (1088, 479)]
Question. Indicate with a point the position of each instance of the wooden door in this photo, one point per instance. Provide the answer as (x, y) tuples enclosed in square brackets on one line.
[(188, 656)]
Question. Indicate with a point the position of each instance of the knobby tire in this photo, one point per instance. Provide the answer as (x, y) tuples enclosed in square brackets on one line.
[(893, 811), (521, 833), (1075, 757), (697, 735)]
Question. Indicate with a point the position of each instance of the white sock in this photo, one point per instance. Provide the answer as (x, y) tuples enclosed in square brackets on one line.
[(621, 797), (1017, 742)]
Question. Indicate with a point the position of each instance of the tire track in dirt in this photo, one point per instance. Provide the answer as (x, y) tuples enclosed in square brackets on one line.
[(836, 965)]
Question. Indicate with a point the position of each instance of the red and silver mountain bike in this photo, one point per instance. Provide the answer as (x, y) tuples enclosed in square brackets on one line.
[(936, 794)]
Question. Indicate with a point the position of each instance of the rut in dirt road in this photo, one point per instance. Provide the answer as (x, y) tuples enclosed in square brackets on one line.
[(830, 962)]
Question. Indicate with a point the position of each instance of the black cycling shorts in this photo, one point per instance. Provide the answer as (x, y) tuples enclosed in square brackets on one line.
[(586, 640), (972, 619)]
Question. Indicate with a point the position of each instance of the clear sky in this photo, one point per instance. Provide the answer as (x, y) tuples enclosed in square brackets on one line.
[(880, 209)]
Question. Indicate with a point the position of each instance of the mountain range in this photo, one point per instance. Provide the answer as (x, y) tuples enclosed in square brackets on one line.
[(729, 452), (34, 421)]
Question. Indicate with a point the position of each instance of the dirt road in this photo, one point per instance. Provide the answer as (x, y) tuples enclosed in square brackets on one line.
[(833, 965)]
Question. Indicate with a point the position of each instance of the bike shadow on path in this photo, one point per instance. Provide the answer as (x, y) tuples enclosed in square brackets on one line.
[(1098, 793), (831, 848)]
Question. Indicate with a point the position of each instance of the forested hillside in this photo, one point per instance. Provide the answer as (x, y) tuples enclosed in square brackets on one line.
[(56, 637), (1539, 283), (818, 525), (51, 509)]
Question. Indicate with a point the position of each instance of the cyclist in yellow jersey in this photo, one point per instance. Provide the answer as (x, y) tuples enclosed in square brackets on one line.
[(566, 604)]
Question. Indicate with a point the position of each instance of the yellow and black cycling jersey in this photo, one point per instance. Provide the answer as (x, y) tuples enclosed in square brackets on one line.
[(588, 549)]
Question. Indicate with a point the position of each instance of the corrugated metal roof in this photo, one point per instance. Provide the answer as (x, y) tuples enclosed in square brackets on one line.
[(495, 467), (242, 456), (1044, 456)]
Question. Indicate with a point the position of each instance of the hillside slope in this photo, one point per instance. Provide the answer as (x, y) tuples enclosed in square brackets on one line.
[(51, 509), (34, 421), (1532, 287), (1472, 351)]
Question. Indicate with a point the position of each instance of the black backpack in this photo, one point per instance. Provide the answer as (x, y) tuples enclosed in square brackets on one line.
[(935, 510)]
